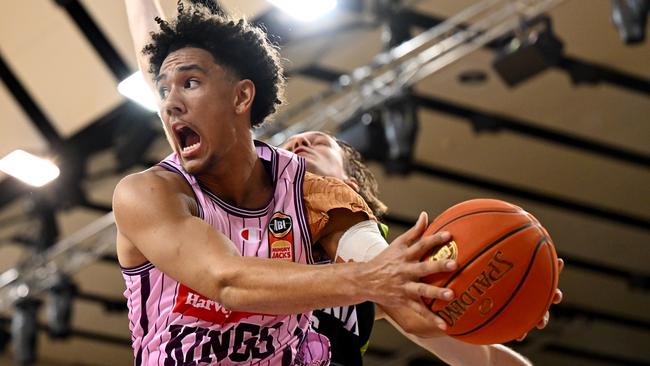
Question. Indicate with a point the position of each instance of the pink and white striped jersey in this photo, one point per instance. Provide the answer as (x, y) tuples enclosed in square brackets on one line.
[(172, 324)]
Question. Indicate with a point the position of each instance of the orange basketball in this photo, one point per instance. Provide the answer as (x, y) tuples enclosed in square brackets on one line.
[(507, 271)]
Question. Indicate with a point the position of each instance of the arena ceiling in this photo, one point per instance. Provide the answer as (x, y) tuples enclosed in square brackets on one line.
[(571, 145)]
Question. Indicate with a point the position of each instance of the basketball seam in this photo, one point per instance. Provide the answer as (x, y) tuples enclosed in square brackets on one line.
[(530, 264), (471, 260), (478, 212), (552, 294)]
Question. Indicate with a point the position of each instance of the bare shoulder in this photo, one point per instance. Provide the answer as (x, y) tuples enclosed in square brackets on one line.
[(153, 194), (149, 187), (143, 200), (148, 182)]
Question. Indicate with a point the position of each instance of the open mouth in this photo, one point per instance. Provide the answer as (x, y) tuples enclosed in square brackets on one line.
[(187, 138)]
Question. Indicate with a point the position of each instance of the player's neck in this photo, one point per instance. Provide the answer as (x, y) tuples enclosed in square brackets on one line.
[(242, 181)]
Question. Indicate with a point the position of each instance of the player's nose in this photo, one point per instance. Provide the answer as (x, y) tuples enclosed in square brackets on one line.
[(173, 104), (298, 141)]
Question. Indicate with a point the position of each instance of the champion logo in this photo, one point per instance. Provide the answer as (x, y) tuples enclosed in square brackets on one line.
[(251, 234)]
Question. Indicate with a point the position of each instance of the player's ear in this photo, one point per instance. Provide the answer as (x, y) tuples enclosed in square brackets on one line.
[(352, 183), (244, 95)]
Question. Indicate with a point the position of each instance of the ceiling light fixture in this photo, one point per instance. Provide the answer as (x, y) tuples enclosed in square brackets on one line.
[(135, 88), (305, 11), (29, 168)]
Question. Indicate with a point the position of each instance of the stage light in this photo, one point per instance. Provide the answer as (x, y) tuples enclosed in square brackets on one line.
[(527, 56), (305, 11), (386, 135), (30, 169), (59, 308), (5, 336), (23, 331), (630, 18), (135, 88)]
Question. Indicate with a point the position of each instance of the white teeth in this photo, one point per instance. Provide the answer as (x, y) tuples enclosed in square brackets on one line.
[(188, 148)]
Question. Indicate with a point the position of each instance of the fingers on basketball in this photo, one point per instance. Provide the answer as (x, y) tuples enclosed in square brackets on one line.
[(419, 290), (414, 233), (426, 243)]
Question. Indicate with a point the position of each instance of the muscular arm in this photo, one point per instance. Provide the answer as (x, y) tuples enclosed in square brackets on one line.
[(153, 215)]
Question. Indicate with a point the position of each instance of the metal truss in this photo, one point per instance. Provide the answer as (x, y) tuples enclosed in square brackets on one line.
[(391, 72), (43, 270)]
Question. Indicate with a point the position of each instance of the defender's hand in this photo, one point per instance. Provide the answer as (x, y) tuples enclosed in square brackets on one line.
[(557, 298)]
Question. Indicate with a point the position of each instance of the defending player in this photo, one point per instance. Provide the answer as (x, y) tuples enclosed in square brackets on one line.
[(330, 157)]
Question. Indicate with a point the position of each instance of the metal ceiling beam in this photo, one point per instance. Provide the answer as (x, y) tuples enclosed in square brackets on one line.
[(315, 72), (486, 121), (96, 37), (580, 70), (495, 122), (528, 194), (36, 115)]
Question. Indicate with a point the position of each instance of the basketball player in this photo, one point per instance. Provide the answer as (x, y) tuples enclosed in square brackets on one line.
[(215, 241), (331, 157)]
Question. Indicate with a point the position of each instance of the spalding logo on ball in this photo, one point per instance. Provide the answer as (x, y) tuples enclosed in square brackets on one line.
[(507, 271)]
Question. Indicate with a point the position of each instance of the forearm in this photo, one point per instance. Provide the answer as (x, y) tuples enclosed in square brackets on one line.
[(141, 16), (274, 287), (151, 214), (457, 353)]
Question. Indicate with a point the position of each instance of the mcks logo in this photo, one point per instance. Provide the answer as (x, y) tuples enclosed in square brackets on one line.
[(281, 237)]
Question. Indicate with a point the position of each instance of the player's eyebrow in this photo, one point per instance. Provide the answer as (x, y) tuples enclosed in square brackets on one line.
[(182, 68)]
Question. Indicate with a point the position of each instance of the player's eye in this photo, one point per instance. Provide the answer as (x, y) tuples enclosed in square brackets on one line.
[(163, 92), (319, 141), (191, 83)]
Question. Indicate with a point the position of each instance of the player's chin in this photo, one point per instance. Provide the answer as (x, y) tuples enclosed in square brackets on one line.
[(193, 166), (312, 166)]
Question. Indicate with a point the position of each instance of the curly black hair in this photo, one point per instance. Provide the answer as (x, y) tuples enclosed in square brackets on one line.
[(235, 44)]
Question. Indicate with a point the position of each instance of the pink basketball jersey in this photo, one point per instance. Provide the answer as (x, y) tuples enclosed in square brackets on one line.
[(172, 324)]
